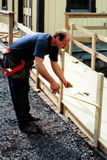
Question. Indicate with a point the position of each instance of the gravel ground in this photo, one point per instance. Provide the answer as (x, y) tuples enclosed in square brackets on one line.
[(57, 139)]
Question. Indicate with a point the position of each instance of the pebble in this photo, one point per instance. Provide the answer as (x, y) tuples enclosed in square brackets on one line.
[(58, 140)]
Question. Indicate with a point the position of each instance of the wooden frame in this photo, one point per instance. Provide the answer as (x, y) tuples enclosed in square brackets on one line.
[(92, 51), (11, 16), (69, 15)]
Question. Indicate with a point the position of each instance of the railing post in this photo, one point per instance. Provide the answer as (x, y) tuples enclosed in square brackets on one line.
[(71, 33), (62, 59), (93, 51), (66, 26), (37, 80), (98, 112), (11, 14), (66, 21)]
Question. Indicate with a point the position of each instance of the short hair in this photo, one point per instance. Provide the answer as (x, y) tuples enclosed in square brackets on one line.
[(62, 33)]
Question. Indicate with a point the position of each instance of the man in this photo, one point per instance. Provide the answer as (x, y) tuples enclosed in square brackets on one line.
[(31, 47)]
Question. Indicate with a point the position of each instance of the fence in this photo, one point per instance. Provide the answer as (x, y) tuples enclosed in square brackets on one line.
[(11, 18), (92, 35)]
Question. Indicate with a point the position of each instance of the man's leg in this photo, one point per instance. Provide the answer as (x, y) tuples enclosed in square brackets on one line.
[(18, 93)]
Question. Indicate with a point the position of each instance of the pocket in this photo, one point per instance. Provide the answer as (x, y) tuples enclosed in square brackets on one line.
[(21, 74)]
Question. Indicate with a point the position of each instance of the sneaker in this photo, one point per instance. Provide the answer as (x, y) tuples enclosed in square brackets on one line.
[(32, 118), (28, 129)]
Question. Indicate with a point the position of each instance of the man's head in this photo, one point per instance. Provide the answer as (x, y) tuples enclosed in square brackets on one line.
[(62, 38)]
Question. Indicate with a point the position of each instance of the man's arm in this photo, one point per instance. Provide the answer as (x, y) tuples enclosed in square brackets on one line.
[(58, 72), (44, 73)]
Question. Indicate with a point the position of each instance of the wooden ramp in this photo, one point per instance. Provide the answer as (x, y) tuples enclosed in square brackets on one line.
[(84, 80)]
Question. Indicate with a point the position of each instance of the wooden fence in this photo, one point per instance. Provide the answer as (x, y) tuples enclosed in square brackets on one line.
[(11, 18), (91, 35)]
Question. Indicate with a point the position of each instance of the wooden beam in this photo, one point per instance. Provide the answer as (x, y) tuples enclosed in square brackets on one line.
[(93, 51), (86, 15), (71, 33), (23, 28), (80, 45), (102, 38), (95, 27), (10, 28), (62, 60), (98, 112), (5, 36), (84, 30)]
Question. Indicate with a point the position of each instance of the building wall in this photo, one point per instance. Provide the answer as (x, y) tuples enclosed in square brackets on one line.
[(101, 5), (34, 15), (54, 15), (16, 10), (9, 3)]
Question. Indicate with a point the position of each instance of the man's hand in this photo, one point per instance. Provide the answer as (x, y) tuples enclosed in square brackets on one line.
[(55, 87), (67, 84)]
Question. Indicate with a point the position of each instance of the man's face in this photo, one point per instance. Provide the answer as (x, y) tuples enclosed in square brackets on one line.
[(62, 44)]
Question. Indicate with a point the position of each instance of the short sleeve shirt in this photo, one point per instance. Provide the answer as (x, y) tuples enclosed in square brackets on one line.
[(34, 44)]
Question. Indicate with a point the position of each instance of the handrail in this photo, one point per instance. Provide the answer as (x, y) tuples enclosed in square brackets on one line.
[(92, 51), (11, 17), (85, 15)]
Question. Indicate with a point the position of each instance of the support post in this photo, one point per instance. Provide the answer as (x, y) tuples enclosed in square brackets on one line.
[(98, 112), (66, 26), (62, 59), (93, 51), (37, 80), (11, 28), (71, 33)]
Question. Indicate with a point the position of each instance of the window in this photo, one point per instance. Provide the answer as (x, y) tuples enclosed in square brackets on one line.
[(4, 4), (81, 6)]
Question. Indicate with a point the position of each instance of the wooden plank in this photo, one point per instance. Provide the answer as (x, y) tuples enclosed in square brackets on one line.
[(84, 39), (43, 84), (76, 120), (101, 56), (98, 112), (102, 38), (66, 22), (62, 59), (84, 30), (6, 12), (10, 29), (80, 45), (95, 27), (93, 51), (71, 33), (23, 28), (37, 80), (86, 15), (5, 36)]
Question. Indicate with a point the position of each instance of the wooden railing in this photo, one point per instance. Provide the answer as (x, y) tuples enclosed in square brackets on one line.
[(11, 17), (85, 15), (92, 51), (91, 35)]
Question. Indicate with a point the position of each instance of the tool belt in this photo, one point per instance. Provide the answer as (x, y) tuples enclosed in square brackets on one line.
[(17, 68)]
